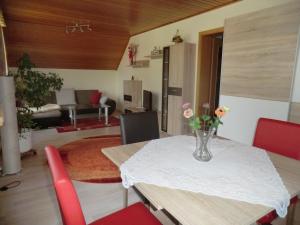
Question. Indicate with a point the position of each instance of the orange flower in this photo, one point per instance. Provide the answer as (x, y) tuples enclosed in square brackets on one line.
[(221, 111)]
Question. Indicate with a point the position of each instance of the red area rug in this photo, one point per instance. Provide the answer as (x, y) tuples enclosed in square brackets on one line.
[(84, 160), (88, 123)]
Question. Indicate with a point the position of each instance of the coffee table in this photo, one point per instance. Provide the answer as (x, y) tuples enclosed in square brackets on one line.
[(72, 113)]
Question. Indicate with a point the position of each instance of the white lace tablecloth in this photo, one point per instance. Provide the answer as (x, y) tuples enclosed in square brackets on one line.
[(236, 171)]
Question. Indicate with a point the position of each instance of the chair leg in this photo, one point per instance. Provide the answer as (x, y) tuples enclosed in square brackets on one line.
[(291, 214), (125, 197)]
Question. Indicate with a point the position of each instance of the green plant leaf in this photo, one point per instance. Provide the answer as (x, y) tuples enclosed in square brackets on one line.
[(205, 118), (32, 88)]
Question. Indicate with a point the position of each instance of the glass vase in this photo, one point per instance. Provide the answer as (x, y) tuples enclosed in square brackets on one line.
[(202, 151)]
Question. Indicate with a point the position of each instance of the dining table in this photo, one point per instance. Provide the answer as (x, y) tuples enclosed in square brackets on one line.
[(190, 208)]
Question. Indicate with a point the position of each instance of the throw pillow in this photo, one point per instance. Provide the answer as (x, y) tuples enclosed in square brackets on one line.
[(95, 97)]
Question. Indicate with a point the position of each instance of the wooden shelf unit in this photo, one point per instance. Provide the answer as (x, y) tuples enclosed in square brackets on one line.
[(158, 56), (140, 64), (178, 86)]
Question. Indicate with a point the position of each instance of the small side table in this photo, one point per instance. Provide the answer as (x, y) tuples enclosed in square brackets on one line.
[(101, 106), (72, 113)]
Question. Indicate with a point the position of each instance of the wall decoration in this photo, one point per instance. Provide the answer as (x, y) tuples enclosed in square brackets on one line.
[(177, 38), (156, 53), (132, 51)]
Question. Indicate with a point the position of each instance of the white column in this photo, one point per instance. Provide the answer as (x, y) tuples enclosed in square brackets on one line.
[(11, 157), (9, 132)]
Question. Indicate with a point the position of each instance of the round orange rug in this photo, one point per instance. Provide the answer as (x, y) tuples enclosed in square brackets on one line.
[(84, 160)]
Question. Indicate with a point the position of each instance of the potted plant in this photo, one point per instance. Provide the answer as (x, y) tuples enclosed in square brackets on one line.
[(32, 88)]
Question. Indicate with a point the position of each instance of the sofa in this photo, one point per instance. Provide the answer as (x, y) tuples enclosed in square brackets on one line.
[(83, 106)]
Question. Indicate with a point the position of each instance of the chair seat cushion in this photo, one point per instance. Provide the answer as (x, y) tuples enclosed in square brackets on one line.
[(273, 215), (136, 214)]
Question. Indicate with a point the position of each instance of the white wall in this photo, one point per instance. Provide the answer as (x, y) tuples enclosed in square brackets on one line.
[(189, 30), (240, 122), (103, 80)]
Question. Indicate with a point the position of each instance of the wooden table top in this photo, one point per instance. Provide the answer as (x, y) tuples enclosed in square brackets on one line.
[(195, 208)]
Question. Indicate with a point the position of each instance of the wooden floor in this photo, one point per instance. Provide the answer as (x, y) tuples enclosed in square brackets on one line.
[(34, 201)]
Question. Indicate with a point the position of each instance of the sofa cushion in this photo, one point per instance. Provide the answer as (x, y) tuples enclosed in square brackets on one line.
[(86, 109), (95, 97), (65, 96), (83, 96), (45, 108), (53, 113)]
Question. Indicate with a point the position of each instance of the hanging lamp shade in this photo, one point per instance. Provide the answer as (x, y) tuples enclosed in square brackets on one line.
[(2, 22)]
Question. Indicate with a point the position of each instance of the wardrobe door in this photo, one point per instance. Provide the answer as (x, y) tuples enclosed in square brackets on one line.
[(181, 85), (176, 65), (175, 117)]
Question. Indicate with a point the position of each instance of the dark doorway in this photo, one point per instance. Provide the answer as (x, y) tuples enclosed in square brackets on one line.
[(210, 61)]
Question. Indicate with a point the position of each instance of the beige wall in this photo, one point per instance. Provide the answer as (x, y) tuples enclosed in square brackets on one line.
[(189, 30)]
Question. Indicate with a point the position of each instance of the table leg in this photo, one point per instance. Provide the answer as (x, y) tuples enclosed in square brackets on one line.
[(125, 197), (99, 114), (75, 117), (71, 115), (106, 116), (291, 214)]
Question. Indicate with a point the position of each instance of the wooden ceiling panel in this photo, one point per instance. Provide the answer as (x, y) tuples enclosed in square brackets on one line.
[(38, 28)]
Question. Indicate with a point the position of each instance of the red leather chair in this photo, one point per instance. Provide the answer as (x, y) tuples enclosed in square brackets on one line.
[(69, 204), (280, 137)]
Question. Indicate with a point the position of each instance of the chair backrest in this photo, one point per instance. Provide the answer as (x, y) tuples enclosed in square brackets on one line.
[(278, 136), (69, 204), (141, 126)]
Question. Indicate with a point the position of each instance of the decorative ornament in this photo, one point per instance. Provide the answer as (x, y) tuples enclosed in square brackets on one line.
[(177, 38), (132, 50)]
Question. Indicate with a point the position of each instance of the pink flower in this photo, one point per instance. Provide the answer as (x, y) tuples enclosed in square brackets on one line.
[(186, 105), (188, 113)]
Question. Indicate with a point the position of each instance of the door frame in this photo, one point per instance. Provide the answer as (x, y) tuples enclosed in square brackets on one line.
[(202, 68)]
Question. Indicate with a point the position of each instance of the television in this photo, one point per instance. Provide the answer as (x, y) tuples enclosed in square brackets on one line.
[(147, 100)]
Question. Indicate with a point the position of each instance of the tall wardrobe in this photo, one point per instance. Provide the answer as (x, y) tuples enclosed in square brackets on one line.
[(178, 86)]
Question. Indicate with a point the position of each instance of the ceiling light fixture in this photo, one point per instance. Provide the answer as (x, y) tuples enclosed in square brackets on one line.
[(78, 26)]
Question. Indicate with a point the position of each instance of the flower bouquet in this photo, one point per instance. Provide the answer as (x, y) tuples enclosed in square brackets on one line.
[(204, 127)]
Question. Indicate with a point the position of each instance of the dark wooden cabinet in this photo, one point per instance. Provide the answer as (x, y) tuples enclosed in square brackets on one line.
[(165, 85)]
